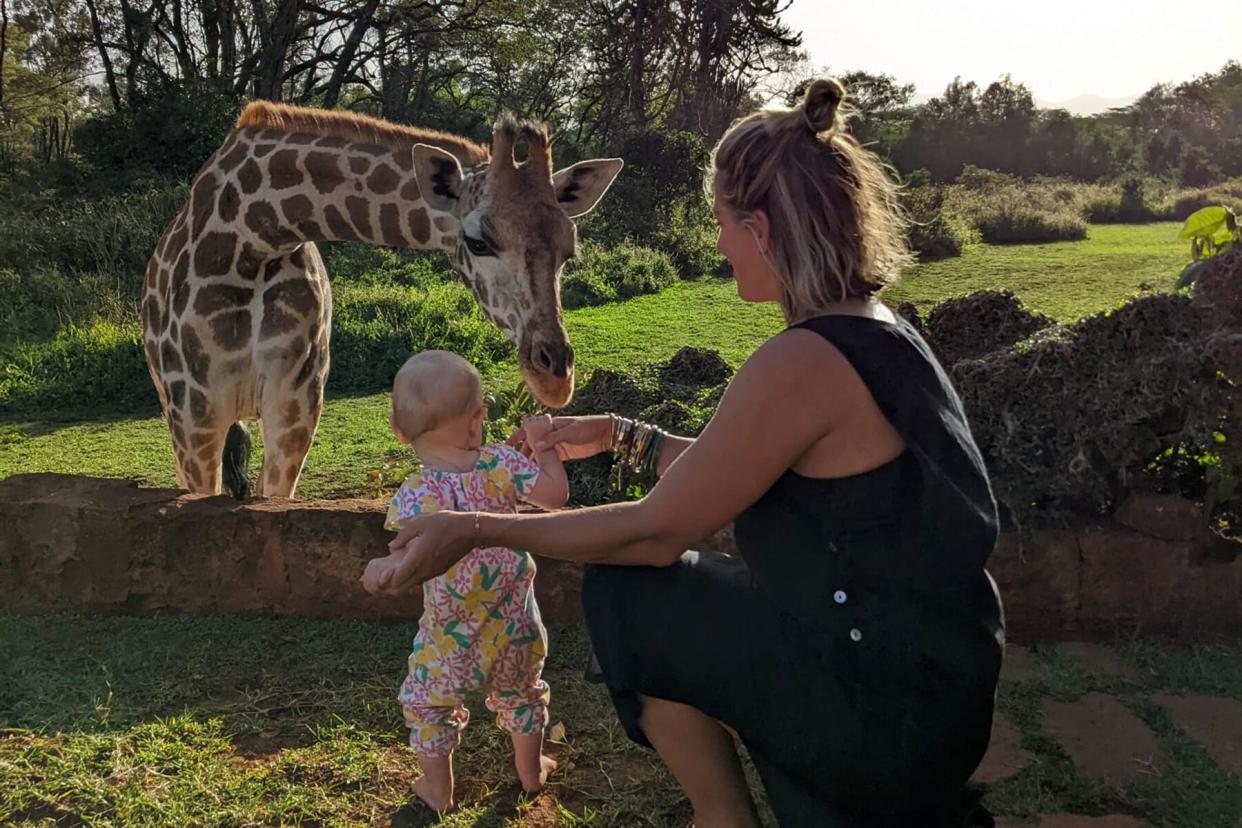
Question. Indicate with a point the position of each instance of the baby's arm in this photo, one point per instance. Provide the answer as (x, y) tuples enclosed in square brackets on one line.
[(413, 498), (551, 489)]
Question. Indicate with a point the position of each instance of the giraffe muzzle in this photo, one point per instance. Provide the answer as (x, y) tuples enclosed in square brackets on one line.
[(548, 368)]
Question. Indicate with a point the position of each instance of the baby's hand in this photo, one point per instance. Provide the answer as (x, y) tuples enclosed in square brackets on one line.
[(373, 577), (536, 427)]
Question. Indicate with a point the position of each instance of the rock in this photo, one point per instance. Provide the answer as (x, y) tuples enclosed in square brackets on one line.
[(1020, 664), (1038, 582)]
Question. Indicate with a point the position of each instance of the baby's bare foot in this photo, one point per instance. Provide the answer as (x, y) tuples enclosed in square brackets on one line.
[(533, 779), (437, 797)]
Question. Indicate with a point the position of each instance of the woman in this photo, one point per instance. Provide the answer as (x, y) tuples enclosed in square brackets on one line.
[(855, 646)]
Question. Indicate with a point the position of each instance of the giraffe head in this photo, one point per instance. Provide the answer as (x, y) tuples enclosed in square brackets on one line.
[(507, 226)]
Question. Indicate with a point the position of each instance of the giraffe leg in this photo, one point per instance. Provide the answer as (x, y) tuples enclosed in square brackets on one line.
[(287, 432), (198, 444)]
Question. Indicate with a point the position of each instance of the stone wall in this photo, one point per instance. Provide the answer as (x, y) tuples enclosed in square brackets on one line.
[(108, 546)]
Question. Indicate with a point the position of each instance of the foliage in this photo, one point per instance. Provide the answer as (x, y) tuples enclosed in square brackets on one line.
[(1066, 422), (658, 202), (1212, 231), (172, 130), (979, 323), (936, 232), (598, 276)]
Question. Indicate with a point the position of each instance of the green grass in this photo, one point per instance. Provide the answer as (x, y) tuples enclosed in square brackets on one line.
[(1065, 280), (228, 721)]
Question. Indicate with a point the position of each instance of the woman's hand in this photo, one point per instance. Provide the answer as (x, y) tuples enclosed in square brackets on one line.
[(573, 438), (431, 545)]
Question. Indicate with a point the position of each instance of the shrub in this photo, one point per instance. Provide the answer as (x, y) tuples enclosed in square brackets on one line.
[(1020, 224), (172, 131), (376, 327), (658, 202), (1124, 204), (971, 326), (600, 275), (1066, 422), (936, 232), (114, 235), (369, 264), (34, 305), (100, 366)]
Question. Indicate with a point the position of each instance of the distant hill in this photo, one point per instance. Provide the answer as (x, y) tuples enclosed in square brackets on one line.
[(1087, 104)]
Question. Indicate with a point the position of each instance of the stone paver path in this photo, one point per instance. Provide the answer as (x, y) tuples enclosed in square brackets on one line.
[(1098, 660), (1104, 739), (1215, 723), (1005, 756)]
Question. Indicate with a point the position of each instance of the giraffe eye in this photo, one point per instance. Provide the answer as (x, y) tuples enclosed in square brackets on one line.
[(478, 247)]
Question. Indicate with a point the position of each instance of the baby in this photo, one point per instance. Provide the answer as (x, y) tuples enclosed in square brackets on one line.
[(480, 628)]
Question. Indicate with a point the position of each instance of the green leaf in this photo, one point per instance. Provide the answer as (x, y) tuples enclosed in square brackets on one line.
[(1203, 222), (1190, 272)]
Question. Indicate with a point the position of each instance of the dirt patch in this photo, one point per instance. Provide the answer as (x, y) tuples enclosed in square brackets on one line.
[(264, 744), (40, 812), (1103, 738), (595, 779), (1098, 660), (1213, 722), (1005, 756)]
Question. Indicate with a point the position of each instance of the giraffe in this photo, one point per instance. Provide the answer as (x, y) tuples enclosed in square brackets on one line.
[(237, 308)]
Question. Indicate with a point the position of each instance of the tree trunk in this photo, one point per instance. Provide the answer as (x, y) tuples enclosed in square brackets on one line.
[(333, 91), (275, 37), (109, 73)]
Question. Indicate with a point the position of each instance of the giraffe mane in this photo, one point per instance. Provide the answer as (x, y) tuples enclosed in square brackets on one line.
[(353, 126)]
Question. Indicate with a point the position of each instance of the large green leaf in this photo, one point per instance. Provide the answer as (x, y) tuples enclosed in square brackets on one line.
[(1204, 222)]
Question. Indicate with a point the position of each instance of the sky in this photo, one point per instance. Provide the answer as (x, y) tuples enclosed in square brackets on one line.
[(1059, 48)]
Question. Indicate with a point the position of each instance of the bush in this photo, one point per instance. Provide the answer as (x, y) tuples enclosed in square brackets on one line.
[(971, 326), (1124, 204), (172, 131), (1068, 421), (658, 202), (598, 275), (1182, 203), (1014, 222), (376, 327), (935, 231), (372, 265), (114, 235), (94, 367), (1007, 211), (34, 306)]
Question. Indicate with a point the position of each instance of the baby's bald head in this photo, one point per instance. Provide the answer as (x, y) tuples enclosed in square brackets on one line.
[(432, 388)]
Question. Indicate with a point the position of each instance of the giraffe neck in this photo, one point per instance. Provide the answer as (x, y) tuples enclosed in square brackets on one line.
[(272, 190)]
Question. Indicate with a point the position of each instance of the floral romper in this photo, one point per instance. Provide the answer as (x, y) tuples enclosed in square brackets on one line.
[(480, 628)]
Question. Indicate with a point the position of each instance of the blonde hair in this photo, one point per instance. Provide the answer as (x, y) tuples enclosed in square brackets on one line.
[(431, 388), (837, 231)]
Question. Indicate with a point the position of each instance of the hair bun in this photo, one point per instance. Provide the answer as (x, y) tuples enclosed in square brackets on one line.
[(821, 103)]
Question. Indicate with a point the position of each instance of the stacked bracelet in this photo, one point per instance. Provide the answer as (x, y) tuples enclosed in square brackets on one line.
[(636, 447)]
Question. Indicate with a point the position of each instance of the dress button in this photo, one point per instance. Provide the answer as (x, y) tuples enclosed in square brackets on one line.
[(855, 634), (839, 596)]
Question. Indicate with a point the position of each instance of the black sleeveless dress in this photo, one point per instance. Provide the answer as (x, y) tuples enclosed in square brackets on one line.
[(856, 644)]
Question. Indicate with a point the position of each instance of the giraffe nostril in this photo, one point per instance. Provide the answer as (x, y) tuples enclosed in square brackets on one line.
[(544, 358)]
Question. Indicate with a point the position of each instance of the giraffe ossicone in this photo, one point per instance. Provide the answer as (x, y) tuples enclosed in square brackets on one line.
[(237, 308)]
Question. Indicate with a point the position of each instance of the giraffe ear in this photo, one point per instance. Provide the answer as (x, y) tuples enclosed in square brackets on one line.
[(439, 177), (580, 187)]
